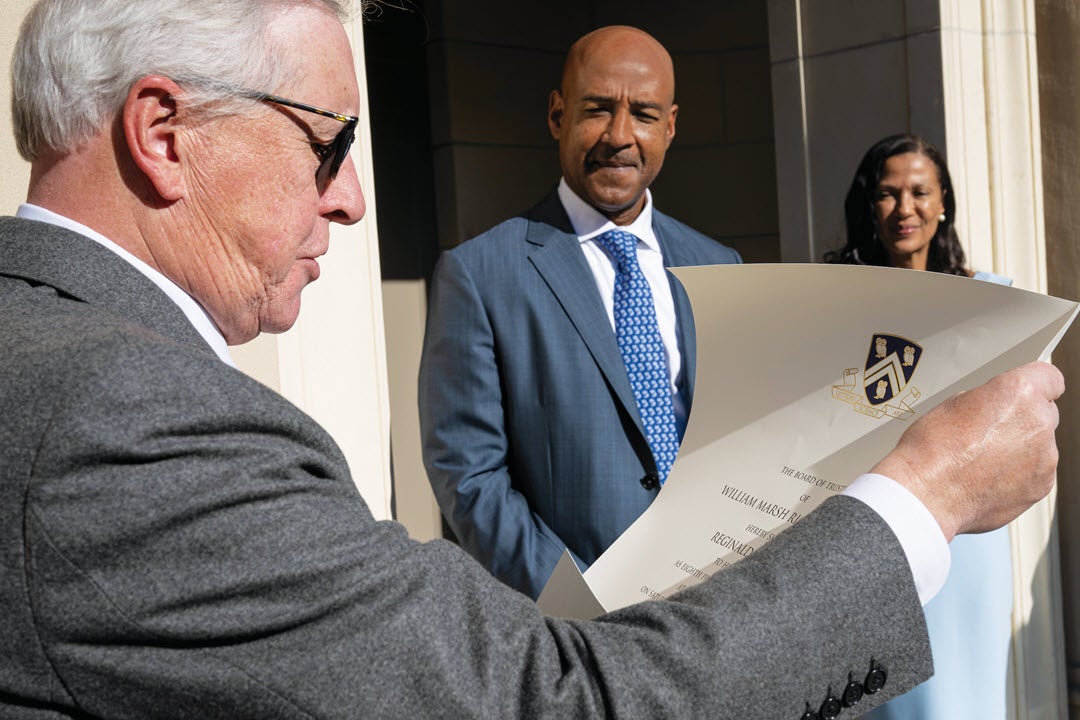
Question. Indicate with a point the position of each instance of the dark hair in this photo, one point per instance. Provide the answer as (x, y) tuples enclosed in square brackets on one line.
[(863, 245)]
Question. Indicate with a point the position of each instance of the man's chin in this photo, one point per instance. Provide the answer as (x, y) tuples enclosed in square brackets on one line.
[(279, 316), (280, 322), (614, 201)]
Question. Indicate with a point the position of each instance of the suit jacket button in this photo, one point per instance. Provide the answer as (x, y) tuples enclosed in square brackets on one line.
[(650, 481), (830, 708), (875, 679)]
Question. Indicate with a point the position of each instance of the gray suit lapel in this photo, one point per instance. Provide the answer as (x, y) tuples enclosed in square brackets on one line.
[(81, 268), (559, 260)]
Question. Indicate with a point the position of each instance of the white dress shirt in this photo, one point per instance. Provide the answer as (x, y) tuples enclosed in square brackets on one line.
[(918, 532), (191, 309)]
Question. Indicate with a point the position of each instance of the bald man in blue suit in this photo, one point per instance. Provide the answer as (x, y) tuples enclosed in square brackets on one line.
[(533, 439)]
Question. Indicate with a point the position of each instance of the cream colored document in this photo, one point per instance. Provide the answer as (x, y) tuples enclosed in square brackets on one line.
[(806, 377)]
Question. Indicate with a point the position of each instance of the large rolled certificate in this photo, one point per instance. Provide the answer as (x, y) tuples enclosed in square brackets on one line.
[(806, 376)]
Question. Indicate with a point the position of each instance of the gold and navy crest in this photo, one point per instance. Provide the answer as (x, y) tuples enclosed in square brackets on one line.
[(885, 386)]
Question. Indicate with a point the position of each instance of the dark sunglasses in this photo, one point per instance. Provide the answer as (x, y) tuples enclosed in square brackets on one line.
[(331, 154)]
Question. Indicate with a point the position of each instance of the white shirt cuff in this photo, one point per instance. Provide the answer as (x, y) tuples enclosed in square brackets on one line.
[(918, 532)]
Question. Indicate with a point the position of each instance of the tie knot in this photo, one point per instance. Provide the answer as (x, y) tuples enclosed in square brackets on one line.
[(622, 246)]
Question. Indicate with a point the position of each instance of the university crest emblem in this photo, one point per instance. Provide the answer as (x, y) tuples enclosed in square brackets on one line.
[(885, 387)]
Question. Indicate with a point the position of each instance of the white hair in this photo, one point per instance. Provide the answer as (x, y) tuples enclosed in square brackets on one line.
[(76, 60)]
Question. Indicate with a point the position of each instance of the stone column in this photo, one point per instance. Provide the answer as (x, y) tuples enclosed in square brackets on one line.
[(994, 149), (1058, 25)]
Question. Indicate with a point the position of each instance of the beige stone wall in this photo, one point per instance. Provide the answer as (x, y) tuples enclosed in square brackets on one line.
[(994, 148), (1058, 27), (404, 307), (845, 74)]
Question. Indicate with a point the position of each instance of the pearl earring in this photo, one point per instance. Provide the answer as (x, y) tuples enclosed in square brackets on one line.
[(941, 217)]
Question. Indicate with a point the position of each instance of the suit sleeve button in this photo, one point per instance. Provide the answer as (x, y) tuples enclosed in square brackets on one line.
[(809, 714), (830, 708), (650, 481), (875, 679), (852, 694)]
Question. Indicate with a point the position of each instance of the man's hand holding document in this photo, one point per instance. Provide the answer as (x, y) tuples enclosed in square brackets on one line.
[(807, 376)]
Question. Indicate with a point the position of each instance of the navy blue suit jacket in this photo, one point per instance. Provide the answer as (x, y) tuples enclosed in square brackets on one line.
[(532, 438)]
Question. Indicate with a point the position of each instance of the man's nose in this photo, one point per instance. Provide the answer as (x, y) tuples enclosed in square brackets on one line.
[(343, 198), (620, 129)]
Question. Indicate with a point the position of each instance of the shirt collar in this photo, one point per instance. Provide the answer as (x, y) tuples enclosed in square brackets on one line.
[(588, 222), (194, 312)]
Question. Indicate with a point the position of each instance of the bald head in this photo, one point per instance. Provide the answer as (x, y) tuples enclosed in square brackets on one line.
[(618, 44), (614, 118)]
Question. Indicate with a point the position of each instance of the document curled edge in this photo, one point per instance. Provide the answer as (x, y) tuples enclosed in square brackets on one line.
[(806, 376), (566, 593)]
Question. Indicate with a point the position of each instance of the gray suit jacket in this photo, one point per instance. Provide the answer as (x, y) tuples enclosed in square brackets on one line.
[(532, 438), (178, 541)]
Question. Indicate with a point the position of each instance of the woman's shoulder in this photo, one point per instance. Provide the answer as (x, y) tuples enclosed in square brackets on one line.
[(992, 277)]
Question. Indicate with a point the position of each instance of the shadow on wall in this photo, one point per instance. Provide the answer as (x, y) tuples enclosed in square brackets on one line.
[(459, 98)]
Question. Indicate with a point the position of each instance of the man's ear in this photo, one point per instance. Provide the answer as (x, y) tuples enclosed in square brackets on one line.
[(555, 113), (150, 128)]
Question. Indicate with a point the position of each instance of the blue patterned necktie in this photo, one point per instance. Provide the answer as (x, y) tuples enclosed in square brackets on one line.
[(642, 349)]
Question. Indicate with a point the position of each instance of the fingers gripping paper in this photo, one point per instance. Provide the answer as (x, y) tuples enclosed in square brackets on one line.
[(806, 376)]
